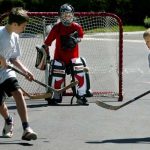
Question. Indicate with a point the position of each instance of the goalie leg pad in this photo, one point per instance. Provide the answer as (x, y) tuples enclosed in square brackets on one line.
[(57, 77), (78, 73), (87, 76)]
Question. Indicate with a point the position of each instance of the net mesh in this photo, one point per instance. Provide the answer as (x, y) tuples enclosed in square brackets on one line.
[(100, 47)]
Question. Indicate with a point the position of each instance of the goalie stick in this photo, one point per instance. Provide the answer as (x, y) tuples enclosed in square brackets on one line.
[(111, 107), (45, 85)]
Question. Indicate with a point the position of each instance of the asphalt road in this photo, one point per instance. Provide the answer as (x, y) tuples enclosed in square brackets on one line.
[(90, 127)]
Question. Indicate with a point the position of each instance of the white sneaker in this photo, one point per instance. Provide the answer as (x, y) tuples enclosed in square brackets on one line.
[(8, 130), (29, 134)]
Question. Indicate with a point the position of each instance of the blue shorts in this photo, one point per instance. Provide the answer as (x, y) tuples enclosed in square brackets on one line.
[(8, 86)]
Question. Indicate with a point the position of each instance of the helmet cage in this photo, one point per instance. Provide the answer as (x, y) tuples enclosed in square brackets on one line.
[(66, 14), (66, 18)]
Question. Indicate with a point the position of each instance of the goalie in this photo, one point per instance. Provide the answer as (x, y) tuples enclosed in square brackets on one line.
[(67, 34)]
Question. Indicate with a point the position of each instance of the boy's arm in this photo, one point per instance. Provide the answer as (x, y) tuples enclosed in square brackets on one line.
[(18, 64), (3, 63)]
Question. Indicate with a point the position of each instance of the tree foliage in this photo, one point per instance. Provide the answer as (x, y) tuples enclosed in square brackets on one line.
[(130, 11)]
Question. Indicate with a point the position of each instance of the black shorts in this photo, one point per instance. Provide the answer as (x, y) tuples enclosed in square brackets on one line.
[(8, 86)]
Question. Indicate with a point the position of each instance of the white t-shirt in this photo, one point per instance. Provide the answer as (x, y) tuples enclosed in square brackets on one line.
[(9, 48)]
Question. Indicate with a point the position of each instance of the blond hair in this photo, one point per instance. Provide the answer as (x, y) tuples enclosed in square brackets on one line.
[(18, 15), (146, 33)]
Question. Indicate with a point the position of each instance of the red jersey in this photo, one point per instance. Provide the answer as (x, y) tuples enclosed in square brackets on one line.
[(56, 32)]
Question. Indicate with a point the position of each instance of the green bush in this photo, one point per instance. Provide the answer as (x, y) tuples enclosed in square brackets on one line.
[(147, 22)]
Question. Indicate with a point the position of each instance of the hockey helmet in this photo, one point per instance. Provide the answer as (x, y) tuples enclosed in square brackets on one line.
[(66, 14)]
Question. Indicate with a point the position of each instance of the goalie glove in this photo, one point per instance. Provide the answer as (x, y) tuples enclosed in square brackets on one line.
[(75, 37), (69, 42), (41, 58)]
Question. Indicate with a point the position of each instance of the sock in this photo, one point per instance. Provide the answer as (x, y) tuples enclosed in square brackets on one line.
[(9, 120), (25, 125)]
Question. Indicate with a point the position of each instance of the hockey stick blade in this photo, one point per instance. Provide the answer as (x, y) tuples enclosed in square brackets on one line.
[(111, 107), (37, 96), (106, 106)]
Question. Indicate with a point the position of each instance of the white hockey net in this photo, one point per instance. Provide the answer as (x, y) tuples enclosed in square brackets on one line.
[(102, 47)]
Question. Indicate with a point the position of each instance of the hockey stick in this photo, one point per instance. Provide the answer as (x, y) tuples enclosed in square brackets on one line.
[(37, 96), (45, 85), (111, 107), (48, 54)]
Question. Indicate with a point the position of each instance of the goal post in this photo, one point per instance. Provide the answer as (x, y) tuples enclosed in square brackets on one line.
[(102, 47)]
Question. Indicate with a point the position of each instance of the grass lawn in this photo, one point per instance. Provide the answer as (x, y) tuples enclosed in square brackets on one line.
[(133, 28), (128, 28)]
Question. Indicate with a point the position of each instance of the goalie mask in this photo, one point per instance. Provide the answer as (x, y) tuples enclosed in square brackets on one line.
[(66, 14)]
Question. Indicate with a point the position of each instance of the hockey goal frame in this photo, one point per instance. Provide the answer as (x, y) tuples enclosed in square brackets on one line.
[(120, 45)]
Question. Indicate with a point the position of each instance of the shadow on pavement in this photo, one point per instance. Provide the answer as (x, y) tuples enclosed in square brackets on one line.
[(15, 143), (123, 141)]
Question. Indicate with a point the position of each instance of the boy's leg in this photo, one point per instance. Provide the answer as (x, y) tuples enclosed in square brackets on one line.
[(21, 104), (15, 91), (28, 133), (4, 111), (8, 127), (3, 108)]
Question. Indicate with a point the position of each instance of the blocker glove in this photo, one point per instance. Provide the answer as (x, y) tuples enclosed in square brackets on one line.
[(41, 58), (69, 42)]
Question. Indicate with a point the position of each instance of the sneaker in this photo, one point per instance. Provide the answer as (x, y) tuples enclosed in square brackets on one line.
[(8, 130), (81, 100), (29, 134)]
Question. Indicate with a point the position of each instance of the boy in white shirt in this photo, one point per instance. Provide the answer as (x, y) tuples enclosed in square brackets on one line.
[(9, 54), (146, 36)]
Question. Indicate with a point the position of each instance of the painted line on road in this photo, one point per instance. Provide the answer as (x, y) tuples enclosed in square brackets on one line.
[(107, 39)]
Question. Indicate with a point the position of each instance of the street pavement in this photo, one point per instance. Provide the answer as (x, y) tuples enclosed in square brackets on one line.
[(72, 127)]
